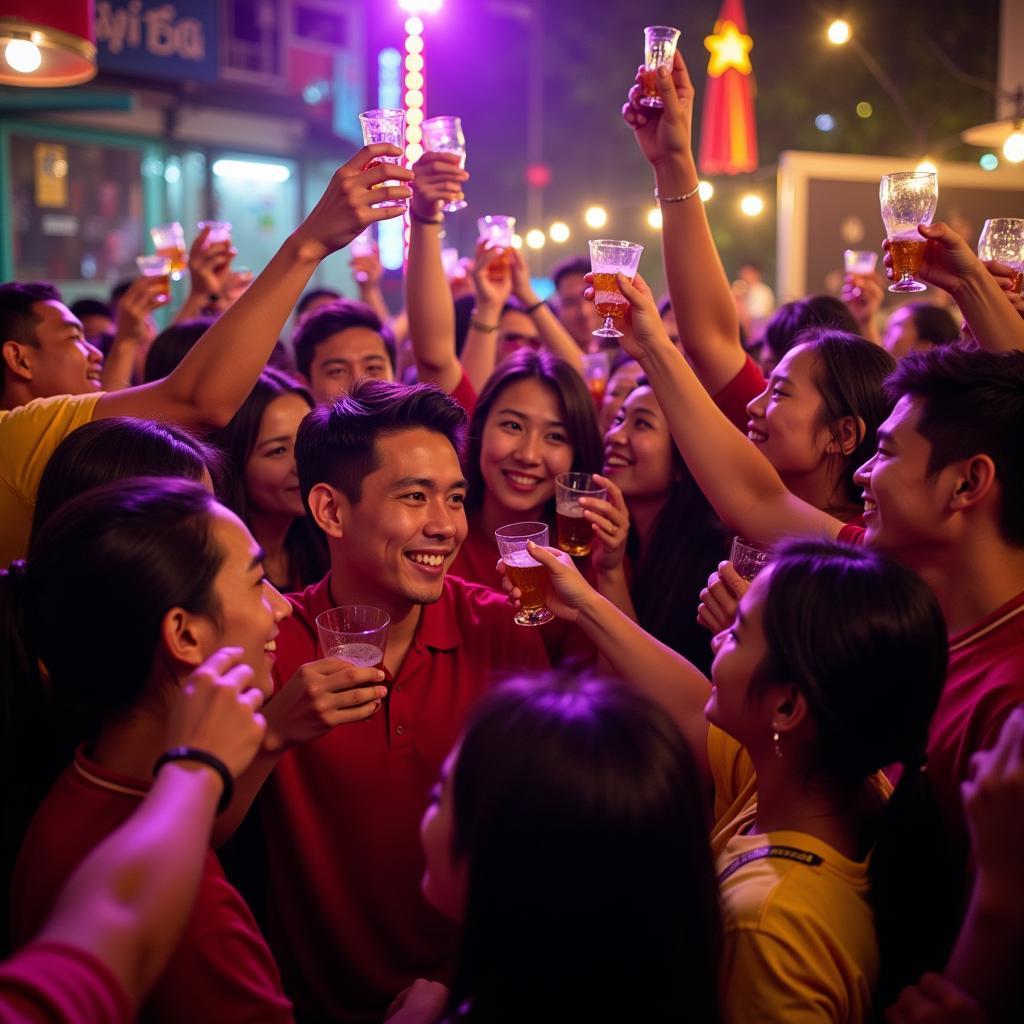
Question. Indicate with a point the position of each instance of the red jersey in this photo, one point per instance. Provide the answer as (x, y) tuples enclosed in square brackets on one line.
[(221, 969), (465, 394), (55, 983), (341, 814), (739, 392)]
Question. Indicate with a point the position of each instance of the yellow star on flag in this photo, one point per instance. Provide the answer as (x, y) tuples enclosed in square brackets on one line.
[(729, 48)]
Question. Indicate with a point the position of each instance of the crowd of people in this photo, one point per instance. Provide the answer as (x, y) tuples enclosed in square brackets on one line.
[(794, 796)]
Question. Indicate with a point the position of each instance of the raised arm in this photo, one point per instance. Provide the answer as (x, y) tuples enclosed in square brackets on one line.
[(702, 299), (480, 352), (558, 340), (128, 901), (209, 268), (741, 484), (209, 385), (134, 332), (428, 298), (951, 264)]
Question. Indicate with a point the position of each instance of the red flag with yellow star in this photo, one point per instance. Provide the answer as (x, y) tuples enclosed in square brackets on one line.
[(728, 134)]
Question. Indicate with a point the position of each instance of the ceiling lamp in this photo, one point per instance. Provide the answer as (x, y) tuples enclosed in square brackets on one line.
[(1007, 134), (45, 43)]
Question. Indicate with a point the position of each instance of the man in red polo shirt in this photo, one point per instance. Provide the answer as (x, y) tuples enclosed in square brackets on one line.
[(380, 472)]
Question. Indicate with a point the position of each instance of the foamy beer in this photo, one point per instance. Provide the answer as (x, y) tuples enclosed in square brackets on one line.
[(907, 199), (524, 571), (1002, 240), (384, 125), (169, 241), (496, 231), (609, 257), (659, 51), (575, 534), (356, 633)]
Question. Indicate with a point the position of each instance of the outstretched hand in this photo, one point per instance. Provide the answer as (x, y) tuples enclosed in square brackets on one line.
[(568, 592), (665, 132), (948, 259), (647, 331)]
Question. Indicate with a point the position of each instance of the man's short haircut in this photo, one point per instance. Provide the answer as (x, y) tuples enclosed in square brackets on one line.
[(91, 307), (312, 295), (17, 320), (972, 403), (572, 265), (337, 443), (339, 316)]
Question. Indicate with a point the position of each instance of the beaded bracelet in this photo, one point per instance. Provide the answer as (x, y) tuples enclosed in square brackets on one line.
[(203, 757), (678, 199)]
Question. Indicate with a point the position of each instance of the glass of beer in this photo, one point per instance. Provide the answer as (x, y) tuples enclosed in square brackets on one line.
[(595, 373), (524, 571), (608, 257), (907, 199), (496, 231), (156, 266), (356, 633), (444, 135), (169, 241), (575, 534), (220, 230), (384, 125), (659, 50), (1002, 240), (859, 261), (748, 559)]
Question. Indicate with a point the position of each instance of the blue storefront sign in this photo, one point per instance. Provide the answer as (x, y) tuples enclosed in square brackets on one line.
[(161, 40)]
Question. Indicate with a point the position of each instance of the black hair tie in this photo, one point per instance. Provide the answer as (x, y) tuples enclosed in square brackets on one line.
[(203, 757)]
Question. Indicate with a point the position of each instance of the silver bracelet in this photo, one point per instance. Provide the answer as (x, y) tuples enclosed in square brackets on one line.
[(677, 199)]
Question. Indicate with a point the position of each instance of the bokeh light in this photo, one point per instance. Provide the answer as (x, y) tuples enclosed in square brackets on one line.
[(752, 205), (595, 216)]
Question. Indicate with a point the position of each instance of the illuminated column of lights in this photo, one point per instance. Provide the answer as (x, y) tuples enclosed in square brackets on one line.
[(414, 100), (390, 239)]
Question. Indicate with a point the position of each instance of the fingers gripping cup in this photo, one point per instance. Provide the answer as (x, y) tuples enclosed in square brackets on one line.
[(608, 257), (357, 633), (907, 199), (156, 266), (444, 135), (748, 559), (525, 571), (384, 125), (496, 231), (659, 52), (1002, 239), (575, 534)]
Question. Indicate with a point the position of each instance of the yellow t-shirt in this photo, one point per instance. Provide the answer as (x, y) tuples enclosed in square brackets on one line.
[(800, 944), (28, 436)]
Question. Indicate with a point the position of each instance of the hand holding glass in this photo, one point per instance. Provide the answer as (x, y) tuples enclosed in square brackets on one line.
[(357, 633), (496, 231), (608, 257), (575, 534), (748, 559), (220, 230), (156, 266), (385, 125), (907, 199), (1002, 240), (169, 241), (859, 261), (444, 135), (659, 52), (524, 571)]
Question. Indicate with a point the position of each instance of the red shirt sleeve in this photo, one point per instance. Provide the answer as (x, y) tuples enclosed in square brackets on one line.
[(54, 983), (733, 398), (852, 534), (465, 395)]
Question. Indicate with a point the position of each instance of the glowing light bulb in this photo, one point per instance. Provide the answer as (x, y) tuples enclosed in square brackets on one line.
[(535, 238), (596, 216), (1013, 147), (705, 190), (839, 32), (752, 205), (654, 218), (559, 231), (927, 165), (23, 56)]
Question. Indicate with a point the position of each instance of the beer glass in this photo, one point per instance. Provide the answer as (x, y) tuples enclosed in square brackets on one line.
[(220, 230), (907, 199), (609, 256), (496, 231), (748, 559), (444, 135), (357, 633), (169, 241), (595, 373), (575, 534), (859, 261), (384, 126), (156, 266), (1002, 239), (524, 571), (659, 50)]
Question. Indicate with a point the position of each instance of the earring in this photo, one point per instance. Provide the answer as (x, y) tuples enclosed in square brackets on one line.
[(777, 741)]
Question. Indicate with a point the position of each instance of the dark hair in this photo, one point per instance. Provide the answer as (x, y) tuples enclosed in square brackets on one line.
[(311, 295), (339, 316), (337, 443), (791, 319), (972, 403), (580, 812), (863, 639), (686, 544), (464, 306), (171, 345), (571, 265), (850, 374), (573, 397), (102, 573), (304, 543), (17, 320), (933, 324), (91, 307), (115, 448)]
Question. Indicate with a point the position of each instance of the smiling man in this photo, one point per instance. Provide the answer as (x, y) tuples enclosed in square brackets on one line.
[(380, 472)]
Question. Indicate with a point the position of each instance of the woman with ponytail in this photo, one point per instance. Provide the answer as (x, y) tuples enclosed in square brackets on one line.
[(833, 886)]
